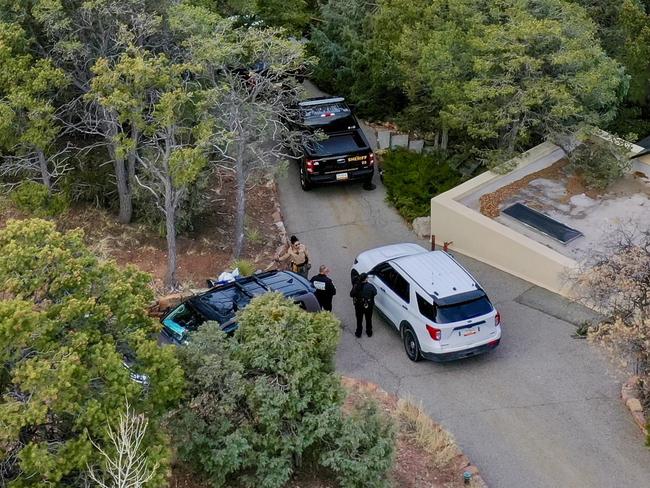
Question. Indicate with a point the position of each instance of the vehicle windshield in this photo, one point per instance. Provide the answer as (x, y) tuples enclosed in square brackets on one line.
[(463, 311)]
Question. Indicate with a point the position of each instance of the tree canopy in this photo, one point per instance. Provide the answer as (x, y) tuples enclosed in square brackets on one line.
[(499, 76), (70, 325)]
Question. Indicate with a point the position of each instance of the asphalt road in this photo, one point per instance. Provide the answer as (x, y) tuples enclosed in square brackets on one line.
[(543, 410)]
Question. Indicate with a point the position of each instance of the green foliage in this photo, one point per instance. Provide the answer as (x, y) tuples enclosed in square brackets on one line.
[(36, 199), (67, 324), (504, 78), (412, 179), (261, 400), (27, 87), (352, 60), (245, 267), (600, 162), (361, 449)]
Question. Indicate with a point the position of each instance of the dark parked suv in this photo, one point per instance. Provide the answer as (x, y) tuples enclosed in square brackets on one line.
[(337, 150), (221, 302)]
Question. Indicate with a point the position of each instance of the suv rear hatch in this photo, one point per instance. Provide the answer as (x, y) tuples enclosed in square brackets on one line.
[(340, 152), (465, 323)]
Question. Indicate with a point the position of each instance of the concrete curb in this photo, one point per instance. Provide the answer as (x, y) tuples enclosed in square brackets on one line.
[(632, 400), (373, 388)]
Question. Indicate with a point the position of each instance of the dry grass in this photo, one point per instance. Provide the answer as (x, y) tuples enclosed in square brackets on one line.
[(436, 441)]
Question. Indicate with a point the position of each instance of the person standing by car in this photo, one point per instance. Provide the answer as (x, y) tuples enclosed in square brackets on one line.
[(298, 257), (363, 297), (325, 289)]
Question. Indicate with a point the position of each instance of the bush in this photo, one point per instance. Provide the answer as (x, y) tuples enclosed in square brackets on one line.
[(600, 162), (360, 449), (261, 401), (412, 179), (36, 199), (245, 267)]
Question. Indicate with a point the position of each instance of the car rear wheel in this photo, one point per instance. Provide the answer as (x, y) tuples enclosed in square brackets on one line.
[(305, 184), (411, 344)]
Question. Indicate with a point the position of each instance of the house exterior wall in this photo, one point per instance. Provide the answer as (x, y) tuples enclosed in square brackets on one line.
[(477, 236)]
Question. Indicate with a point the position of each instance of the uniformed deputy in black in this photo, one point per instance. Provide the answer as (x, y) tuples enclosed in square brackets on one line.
[(325, 289), (363, 297)]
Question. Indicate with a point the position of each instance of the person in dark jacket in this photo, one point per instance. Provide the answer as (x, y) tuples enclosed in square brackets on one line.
[(325, 290), (363, 297)]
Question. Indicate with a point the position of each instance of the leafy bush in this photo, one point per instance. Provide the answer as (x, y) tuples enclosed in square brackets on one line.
[(412, 179), (360, 449), (261, 401), (36, 199), (600, 162), (245, 267)]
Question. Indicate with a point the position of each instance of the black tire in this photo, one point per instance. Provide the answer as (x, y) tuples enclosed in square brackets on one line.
[(411, 344), (305, 184)]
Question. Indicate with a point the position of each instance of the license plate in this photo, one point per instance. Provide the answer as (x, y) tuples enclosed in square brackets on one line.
[(469, 332), (342, 176)]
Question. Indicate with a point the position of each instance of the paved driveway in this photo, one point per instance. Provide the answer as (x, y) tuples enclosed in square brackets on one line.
[(543, 410)]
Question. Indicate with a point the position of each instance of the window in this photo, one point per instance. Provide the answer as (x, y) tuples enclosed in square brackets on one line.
[(394, 281), (463, 311), (427, 310)]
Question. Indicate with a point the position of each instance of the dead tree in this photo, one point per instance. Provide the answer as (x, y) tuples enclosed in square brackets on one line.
[(125, 463)]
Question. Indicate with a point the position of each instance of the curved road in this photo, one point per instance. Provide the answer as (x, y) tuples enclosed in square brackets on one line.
[(543, 410)]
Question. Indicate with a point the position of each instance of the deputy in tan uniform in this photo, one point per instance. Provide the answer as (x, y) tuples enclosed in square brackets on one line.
[(298, 257)]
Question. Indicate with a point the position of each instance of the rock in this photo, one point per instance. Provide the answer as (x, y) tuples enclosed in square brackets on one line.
[(634, 405), (399, 140), (422, 227), (383, 139), (416, 145)]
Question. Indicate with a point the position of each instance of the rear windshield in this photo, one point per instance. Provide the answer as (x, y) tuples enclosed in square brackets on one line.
[(334, 145), (325, 110), (463, 311)]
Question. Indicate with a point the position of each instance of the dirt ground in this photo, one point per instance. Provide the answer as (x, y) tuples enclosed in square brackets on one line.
[(413, 466), (203, 253)]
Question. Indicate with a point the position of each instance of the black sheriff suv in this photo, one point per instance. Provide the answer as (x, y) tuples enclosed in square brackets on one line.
[(335, 149)]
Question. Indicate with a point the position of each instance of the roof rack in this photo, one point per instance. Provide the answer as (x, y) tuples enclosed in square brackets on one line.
[(321, 101)]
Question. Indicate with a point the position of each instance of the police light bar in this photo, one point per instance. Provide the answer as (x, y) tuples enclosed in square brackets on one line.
[(321, 101)]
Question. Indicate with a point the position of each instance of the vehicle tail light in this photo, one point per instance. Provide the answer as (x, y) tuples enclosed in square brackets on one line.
[(497, 319), (434, 333), (309, 164), (371, 159)]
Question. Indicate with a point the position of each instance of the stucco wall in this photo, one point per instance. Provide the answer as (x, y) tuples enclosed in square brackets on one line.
[(482, 238)]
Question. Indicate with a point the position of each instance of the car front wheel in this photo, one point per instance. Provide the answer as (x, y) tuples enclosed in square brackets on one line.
[(411, 344)]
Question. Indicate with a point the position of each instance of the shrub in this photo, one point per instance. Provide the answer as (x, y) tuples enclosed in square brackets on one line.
[(600, 162), (245, 267), (360, 448), (412, 179), (38, 200), (262, 400)]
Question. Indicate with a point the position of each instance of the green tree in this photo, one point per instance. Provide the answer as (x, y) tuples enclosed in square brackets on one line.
[(75, 34), (152, 92), (506, 76), (261, 401), (68, 325), (28, 129), (350, 45)]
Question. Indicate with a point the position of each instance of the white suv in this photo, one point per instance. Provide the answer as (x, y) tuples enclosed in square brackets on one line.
[(440, 311)]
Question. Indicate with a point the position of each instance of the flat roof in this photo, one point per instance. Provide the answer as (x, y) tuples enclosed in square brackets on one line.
[(437, 273)]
